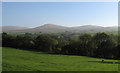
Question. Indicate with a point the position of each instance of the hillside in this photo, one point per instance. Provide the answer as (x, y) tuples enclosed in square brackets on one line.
[(49, 28), (21, 60), (52, 28), (10, 28)]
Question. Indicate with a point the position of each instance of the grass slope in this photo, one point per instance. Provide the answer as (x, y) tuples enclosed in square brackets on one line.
[(21, 60)]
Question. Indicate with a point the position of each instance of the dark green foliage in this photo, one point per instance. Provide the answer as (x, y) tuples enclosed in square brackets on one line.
[(23, 42), (104, 45), (7, 40), (101, 45), (45, 43)]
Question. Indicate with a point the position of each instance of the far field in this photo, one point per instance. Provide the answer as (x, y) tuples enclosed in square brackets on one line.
[(21, 60)]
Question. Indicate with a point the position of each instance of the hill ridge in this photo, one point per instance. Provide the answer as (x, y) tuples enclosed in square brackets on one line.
[(58, 28)]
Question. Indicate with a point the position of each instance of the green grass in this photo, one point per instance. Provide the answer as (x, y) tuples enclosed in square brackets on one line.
[(21, 60)]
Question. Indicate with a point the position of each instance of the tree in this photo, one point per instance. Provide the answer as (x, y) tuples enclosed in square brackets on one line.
[(85, 44), (104, 44), (7, 40), (45, 43)]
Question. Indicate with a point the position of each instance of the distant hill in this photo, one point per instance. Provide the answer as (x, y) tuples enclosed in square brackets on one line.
[(10, 28), (52, 28)]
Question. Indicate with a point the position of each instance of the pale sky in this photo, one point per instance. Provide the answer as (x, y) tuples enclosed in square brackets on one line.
[(33, 14)]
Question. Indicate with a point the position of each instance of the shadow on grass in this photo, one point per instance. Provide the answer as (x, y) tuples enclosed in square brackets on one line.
[(107, 62)]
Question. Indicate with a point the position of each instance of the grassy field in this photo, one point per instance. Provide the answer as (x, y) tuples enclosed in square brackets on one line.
[(21, 60)]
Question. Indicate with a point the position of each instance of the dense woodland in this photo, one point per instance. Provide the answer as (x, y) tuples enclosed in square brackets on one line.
[(100, 45)]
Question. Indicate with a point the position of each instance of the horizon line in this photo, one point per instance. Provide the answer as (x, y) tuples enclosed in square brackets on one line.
[(63, 25)]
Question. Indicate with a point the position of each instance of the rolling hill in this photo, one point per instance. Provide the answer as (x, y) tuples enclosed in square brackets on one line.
[(52, 28), (12, 28)]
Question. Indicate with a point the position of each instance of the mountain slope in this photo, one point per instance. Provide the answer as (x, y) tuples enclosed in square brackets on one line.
[(52, 28), (9, 28)]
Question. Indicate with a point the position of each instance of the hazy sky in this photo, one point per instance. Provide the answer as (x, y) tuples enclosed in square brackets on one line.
[(33, 14)]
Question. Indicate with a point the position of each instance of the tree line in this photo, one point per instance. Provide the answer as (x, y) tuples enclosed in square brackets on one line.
[(100, 45)]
